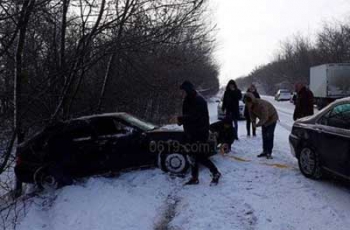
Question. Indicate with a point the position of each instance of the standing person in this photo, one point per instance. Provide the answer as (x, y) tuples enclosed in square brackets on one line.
[(230, 103), (304, 105), (268, 117), (252, 89), (195, 119)]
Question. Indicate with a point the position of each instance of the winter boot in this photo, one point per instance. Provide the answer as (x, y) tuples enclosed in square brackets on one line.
[(254, 132), (192, 181), (262, 154), (268, 156), (215, 179), (229, 148)]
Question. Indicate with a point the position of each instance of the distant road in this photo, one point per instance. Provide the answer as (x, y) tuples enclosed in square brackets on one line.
[(285, 111)]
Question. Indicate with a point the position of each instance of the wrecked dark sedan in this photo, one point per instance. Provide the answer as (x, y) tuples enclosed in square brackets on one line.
[(100, 144), (321, 143)]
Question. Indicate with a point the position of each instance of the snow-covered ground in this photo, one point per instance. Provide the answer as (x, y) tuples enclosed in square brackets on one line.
[(252, 194)]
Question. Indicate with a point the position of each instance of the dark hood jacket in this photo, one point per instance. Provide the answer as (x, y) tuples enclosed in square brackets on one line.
[(304, 105), (195, 118), (231, 102)]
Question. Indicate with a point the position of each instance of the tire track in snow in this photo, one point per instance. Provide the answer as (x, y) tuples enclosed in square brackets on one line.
[(284, 111), (285, 126), (170, 206), (169, 213)]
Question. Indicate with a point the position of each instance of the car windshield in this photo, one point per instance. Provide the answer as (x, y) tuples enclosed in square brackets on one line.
[(145, 126)]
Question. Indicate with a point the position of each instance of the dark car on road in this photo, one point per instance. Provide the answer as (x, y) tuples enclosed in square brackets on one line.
[(322, 142), (99, 144)]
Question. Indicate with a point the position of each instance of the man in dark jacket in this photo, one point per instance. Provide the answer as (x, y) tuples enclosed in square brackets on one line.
[(304, 105), (225, 133), (195, 119), (230, 103)]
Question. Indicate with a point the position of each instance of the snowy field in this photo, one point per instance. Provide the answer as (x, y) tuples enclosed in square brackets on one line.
[(252, 194)]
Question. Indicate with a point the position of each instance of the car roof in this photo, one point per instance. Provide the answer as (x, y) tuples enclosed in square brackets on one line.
[(327, 108), (345, 99), (118, 115)]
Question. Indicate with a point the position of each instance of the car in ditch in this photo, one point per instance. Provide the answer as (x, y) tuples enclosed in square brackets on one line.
[(321, 142), (99, 144)]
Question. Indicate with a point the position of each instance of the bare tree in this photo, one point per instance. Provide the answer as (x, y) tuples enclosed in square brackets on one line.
[(61, 59)]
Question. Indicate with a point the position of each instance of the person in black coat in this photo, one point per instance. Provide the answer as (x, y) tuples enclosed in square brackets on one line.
[(225, 133), (252, 89), (195, 115), (230, 103), (304, 103), (195, 120)]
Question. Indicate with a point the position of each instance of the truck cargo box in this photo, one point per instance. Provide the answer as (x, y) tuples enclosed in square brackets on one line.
[(330, 80)]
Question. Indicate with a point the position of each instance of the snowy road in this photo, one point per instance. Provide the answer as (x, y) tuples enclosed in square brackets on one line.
[(253, 194)]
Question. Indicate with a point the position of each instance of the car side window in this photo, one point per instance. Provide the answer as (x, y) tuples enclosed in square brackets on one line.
[(340, 116), (104, 126), (80, 130), (122, 128), (324, 120)]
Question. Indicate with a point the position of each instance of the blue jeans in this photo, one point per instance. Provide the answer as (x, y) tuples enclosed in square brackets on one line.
[(268, 136)]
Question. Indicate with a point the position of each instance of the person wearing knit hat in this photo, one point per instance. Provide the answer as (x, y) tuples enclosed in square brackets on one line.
[(187, 86), (252, 89), (268, 117), (195, 120)]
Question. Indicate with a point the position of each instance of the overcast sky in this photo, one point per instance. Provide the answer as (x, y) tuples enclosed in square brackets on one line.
[(250, 31)]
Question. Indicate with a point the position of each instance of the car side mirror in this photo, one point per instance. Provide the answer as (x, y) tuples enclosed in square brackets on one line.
[(142, 137), (135, 131)]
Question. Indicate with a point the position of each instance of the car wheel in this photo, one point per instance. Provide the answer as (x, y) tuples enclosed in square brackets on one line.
[(309, 163), (175, 163), (44, 180)]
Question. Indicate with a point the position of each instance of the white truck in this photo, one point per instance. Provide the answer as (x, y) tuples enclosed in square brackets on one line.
[(329, 82)]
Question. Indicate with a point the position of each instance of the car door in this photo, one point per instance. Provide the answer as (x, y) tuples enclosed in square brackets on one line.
[(106, 140), (132, 145), (117, 143), (334, 129), (84, 148)]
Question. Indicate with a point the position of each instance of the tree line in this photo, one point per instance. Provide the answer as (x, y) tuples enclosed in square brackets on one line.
[(61, 59), (295, 57), (65, 58)]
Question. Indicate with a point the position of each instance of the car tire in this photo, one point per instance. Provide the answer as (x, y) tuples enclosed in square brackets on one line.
[(309, 163), (44, 180), (175, 163)]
